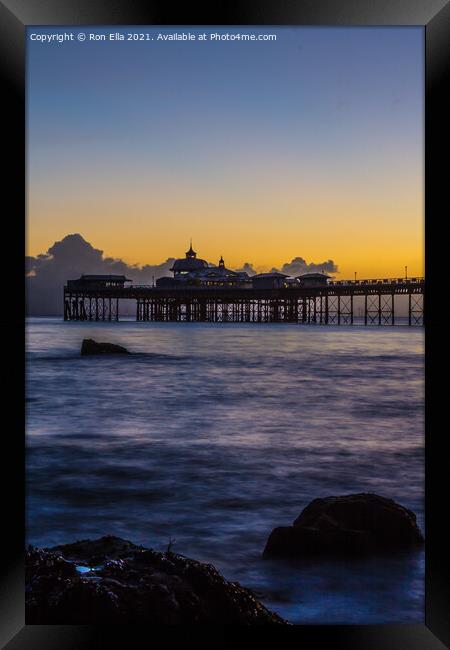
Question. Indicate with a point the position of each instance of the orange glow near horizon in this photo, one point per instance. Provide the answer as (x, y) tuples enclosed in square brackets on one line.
[(375, 238)]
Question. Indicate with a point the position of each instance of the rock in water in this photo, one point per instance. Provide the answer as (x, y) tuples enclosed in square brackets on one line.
[(132, 584), (353, 524), (89, 346)]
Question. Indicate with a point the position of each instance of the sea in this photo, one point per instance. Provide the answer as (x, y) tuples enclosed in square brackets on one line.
[(211, 434)]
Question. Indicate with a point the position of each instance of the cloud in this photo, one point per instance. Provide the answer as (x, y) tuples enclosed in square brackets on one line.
[(68, 259), (247, 268), (298, 266)]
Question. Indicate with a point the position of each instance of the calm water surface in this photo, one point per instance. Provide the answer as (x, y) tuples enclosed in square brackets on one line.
[(212, 434)]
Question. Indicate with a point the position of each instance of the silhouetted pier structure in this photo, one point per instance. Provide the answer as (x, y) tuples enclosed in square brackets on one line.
[(369, 302)]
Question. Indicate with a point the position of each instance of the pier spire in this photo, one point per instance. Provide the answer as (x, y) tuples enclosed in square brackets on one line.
[(190, 254)]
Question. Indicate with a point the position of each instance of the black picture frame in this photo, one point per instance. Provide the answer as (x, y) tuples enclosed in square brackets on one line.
[(434, 16)]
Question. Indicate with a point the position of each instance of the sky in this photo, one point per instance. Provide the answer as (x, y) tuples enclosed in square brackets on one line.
[(309, 146)]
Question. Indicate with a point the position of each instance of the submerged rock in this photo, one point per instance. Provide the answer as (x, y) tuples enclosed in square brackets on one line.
[(353, 524), (89, 346), (132, 585)]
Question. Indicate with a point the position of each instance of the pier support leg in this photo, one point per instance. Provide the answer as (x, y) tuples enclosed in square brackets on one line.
[(67, 309)]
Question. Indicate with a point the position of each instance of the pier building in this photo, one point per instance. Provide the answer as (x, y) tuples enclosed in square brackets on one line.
[(192, 271), (98, 282)]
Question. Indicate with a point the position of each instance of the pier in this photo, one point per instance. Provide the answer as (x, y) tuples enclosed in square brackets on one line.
[(342, 302)]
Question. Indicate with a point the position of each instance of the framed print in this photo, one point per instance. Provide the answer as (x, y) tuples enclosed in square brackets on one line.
[(229, 406)]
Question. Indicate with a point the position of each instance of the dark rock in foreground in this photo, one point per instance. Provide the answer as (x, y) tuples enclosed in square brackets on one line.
[(132, 584), (355, 524), (89, 346)]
